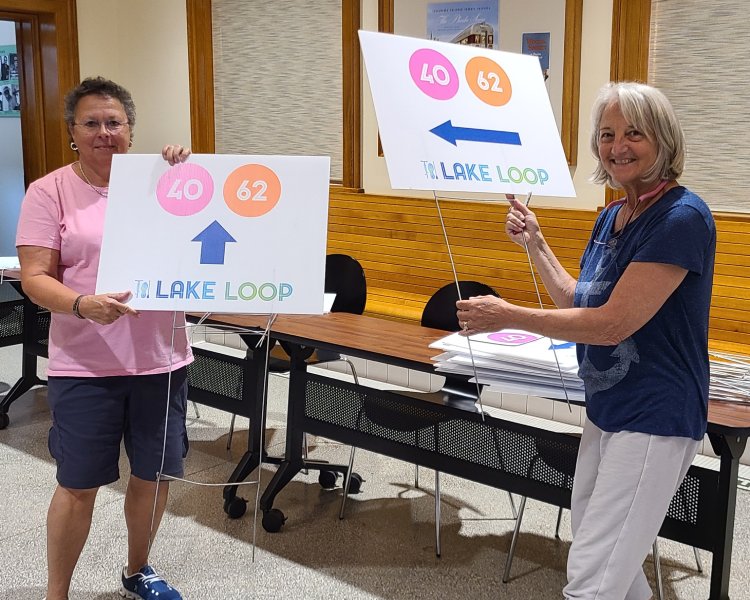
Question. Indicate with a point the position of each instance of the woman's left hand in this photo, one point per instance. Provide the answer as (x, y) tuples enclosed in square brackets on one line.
[(174, 154), (482, 314)]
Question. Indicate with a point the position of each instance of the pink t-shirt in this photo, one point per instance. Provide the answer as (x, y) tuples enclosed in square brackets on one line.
[(60, 211)]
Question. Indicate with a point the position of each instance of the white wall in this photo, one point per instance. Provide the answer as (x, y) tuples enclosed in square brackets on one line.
[(142, 45), (11, 165), (595, 58)]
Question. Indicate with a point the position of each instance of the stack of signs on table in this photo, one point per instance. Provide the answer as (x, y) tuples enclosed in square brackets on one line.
[(514, 361)]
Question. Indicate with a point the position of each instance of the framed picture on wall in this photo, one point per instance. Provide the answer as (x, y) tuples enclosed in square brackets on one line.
[(10, 94), (473, 23)]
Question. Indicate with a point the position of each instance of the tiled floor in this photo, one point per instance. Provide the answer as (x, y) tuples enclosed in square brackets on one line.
[(383, 549)]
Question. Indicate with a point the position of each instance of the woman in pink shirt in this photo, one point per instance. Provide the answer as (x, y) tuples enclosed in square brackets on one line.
[(111, 371)]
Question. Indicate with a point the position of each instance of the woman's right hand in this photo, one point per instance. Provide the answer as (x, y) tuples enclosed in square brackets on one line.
[(105, 308), (520, 223)]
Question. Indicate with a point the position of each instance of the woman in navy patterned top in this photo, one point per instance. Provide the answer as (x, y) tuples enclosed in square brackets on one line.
[(639, 314)]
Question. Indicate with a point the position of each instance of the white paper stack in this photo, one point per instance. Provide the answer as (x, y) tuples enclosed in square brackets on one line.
[(9, 262), (514, 361), (730, 377)]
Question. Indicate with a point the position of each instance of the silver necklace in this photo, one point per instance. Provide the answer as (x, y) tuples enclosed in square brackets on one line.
[(103, 192)]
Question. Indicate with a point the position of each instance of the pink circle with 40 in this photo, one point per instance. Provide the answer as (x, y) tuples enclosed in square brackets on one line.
[(434, 74), (185, 189)]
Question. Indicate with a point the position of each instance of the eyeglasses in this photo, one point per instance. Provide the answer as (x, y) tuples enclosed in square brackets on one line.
[(93, 127)]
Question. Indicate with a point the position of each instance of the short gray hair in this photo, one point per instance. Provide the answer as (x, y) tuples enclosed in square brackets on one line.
[(649, 111), (99, 86)]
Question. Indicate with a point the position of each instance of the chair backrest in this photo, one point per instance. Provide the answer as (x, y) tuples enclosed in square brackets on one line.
[(440, 310), (346, 278)]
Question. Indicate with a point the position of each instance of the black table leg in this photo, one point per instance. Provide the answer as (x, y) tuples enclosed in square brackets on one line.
[(254, 390), (293, 462), (29, 377), (729, 451)]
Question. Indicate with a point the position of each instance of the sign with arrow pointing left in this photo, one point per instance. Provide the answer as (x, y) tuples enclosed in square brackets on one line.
[(465, 119), (218, 233)]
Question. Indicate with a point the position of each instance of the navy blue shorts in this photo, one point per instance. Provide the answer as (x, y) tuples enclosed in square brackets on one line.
[(92, 415)]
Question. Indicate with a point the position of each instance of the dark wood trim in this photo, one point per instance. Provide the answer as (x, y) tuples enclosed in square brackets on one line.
[(201, 75), (48, 57), (32, 101), (385, 25), (385, 16), (631, 32), (571, 79), (352, 94)]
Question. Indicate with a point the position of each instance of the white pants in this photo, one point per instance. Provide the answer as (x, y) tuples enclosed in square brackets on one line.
[(623, 485)]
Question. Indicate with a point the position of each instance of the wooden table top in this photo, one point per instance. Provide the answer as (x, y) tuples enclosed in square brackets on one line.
[(409, 344), (357, 335), (725, 416)]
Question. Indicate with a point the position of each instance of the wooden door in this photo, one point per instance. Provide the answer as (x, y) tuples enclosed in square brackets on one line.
[(47, 43)]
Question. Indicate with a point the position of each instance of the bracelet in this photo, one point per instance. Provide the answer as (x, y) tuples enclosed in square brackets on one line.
[(76, 307)]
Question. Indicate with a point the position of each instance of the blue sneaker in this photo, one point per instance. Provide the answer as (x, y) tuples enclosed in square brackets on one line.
[(146, 584)]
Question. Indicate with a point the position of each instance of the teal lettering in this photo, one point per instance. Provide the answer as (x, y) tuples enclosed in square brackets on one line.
[(530, 176), (243, 295), (208, 290), (445, 175), (267, 286), (192, 291), (285, 290), (227, 295), (177, 290), (484, 173), (159, 293), (500, 176)]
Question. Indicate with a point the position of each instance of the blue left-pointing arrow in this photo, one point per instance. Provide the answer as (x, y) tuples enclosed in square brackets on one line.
[(452, 134), (561, 345), (213, 240)]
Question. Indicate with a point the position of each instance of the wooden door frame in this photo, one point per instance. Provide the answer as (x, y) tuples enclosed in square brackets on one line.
[(47, 40), (631, 33)]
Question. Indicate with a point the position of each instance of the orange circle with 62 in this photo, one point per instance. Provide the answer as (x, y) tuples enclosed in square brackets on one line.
[(489, 81), (252, 190)]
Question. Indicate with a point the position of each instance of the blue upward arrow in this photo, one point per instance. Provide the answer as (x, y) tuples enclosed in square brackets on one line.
[(213, 240), (452, 134)]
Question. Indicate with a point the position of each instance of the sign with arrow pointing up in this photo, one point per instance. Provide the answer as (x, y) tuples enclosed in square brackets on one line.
[(213, 234), (463, 119), (213, 239)]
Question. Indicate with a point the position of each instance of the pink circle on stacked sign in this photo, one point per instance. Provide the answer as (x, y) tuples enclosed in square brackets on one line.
[(513, 338)]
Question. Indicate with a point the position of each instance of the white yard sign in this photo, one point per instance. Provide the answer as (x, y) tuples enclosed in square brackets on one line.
[(460, 118), (219, 233)]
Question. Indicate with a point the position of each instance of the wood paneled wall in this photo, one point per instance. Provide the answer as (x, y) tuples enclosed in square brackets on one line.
[(400, 244)]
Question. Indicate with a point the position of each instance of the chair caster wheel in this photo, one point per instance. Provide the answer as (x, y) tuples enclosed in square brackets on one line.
[(355, 483), (273, 519), (236, 507), (327, 479), (4, 420)]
